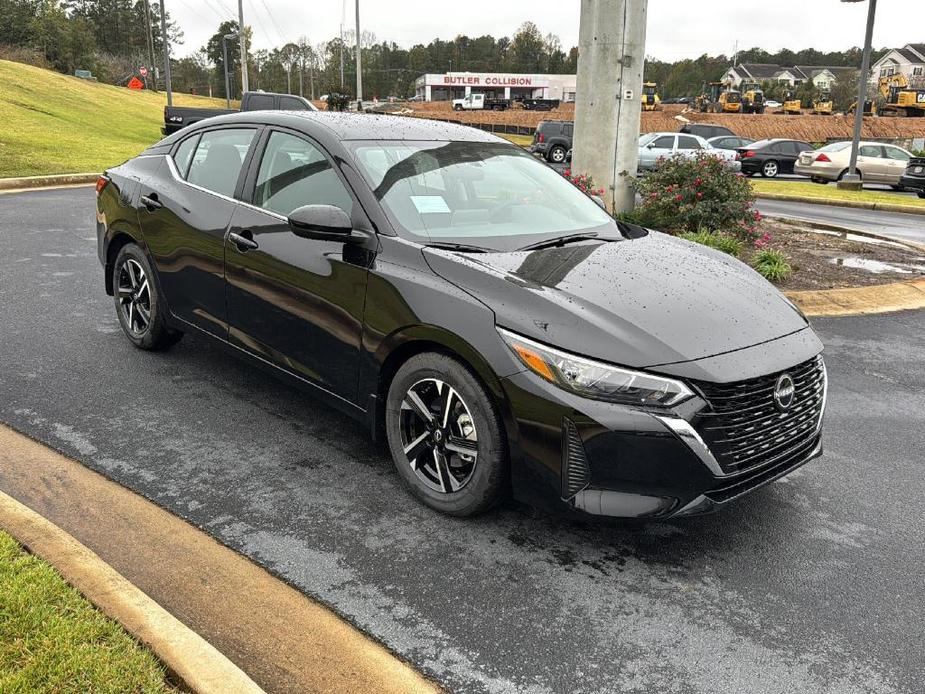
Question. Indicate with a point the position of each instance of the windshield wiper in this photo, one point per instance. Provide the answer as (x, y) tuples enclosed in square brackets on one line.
[(461, 247), (559, 241)]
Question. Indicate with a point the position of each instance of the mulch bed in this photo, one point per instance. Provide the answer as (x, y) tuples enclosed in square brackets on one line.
[(823, 260)]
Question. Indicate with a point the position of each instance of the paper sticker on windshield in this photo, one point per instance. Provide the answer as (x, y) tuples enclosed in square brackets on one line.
[(430, 204)]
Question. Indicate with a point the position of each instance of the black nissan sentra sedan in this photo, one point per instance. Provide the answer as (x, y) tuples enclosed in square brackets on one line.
[(468, 303)]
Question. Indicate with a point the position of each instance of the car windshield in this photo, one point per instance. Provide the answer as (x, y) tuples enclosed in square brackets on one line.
[(835, 147), (486, 194)]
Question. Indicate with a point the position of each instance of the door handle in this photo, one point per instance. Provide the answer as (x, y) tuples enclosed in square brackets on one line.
[(151, 202), (243, 241)]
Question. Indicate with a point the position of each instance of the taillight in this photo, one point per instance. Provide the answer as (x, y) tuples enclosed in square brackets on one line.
[(541, 137), (101, 183), (824, 158), (749, 154)]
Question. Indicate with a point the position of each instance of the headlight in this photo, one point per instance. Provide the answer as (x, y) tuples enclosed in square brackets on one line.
[(595, 379)]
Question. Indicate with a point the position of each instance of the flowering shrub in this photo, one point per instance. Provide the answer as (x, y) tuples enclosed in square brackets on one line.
[(584, 182), (687, 195)]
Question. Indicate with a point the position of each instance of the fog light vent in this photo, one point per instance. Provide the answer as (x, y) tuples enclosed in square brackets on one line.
[(575, 472)]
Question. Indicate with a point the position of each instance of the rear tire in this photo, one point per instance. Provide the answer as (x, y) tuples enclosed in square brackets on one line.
[(139, 307), (557, 154), (438, 412), (770, 169)]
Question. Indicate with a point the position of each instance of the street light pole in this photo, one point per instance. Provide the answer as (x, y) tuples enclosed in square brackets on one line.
[(852, 181), (244, 85), (359, 63), (166, 54), (225, 40)]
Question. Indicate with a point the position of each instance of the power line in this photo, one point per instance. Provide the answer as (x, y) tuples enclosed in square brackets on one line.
[(282, 36), (263, 29)]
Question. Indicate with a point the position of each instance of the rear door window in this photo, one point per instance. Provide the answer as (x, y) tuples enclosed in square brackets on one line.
[(871, 151), (260, 102), (219, 158), (664, 142), (184, 154), (685, 142)]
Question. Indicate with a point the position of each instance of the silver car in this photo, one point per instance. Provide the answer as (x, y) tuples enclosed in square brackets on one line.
[(877, 163), (654, 147)]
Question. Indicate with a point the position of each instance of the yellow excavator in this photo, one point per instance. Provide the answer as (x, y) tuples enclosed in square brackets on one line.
[(792, 106), (650, 98), (752, 97), (870, 108), (899, 99), (719, 99), (823, 104)]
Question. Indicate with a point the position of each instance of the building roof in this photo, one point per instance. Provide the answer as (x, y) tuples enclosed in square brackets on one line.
[(759, 71), (918, 48)]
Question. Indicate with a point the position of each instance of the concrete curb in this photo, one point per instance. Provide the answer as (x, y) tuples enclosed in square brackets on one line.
[(877, 206), (844, 231), (197, 663), (29, 182), (857, 301)]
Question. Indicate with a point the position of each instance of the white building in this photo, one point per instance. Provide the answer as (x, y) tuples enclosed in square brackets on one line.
[(456, 85), (908, 60), (821, 76)]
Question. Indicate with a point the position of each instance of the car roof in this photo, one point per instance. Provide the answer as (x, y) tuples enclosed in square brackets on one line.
[(350, 126)]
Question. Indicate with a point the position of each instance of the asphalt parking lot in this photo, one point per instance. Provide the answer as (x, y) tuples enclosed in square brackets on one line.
[(813, 584)]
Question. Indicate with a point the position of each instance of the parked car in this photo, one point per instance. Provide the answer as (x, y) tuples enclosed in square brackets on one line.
[(479, 102), (553, 140), (732, 142), (178, 117), (771, 103), (705, 130), (540, 104), (877, 163), (914, 177), (771, 158), (525, 341), (656, 147)]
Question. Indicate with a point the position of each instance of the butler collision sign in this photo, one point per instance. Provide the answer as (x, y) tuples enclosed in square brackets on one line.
[(455, 85)]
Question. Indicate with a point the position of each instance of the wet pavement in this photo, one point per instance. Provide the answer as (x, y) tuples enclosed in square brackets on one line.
[(813, 584)]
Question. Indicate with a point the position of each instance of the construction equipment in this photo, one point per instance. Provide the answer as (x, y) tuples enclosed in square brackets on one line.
[(823, 104), (752, 97), (870, 108), (899, 99), (650, 98), (792, 106), (719, 99)]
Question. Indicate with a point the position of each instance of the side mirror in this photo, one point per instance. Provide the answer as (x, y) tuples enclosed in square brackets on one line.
[(651, 145), (321, 222), (600, 202)]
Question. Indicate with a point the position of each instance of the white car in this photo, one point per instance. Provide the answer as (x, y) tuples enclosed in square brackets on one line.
[(772, 104), (654, 147)]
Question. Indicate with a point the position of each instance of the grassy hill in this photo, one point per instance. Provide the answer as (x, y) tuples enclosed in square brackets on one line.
[(52, 123)]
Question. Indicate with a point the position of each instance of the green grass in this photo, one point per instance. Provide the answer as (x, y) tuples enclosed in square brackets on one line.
[(520, 140), (53, 641), (831, 193), (721, 242), (772, 265), (53, 124)]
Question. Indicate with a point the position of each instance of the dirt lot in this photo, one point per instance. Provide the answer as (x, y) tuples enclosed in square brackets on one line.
[(806, 127), (828, 260)]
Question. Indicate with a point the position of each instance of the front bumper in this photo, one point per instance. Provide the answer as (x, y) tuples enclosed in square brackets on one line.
[(913, 183), (631, 462)]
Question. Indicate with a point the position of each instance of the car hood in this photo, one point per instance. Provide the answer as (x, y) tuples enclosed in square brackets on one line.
[(641, 302)]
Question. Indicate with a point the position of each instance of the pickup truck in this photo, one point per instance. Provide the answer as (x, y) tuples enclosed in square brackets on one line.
[(178, 117), (478, 102)]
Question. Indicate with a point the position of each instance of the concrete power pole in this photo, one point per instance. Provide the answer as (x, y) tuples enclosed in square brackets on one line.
[(149, 37), (611, 57), (166, 54), (244, 85), (359, 63)]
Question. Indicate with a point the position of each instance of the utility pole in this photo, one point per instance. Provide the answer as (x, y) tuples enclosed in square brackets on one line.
[(166, 54), (149, 36), (851, 181), (343, 17), (359, 63), (244, 85), (608, 107), (225, 39)]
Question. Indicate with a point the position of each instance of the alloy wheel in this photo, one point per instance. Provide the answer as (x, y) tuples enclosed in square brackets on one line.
[(438, 435), (558, 155), (134, 292), (770, 169)]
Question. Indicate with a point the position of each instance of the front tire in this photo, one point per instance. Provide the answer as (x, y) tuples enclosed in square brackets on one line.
[(139, 308), (446, 436)]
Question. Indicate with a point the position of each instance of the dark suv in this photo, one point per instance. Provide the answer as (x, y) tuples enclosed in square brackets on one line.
[(914, 178), (552, 140)]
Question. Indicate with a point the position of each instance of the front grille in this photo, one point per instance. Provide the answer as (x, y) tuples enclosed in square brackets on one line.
[(744, 427)]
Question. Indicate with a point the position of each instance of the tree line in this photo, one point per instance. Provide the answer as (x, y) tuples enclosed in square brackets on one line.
[(112, 38)]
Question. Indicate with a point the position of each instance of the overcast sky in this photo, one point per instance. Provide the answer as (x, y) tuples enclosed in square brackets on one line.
[(677, 28)]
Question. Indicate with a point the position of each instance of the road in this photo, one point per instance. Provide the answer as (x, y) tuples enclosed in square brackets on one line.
[(908, 227), (813, 584)]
